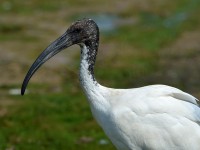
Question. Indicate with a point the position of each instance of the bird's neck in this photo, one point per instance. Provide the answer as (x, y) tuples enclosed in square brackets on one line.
[(93, 90), (87, 79)]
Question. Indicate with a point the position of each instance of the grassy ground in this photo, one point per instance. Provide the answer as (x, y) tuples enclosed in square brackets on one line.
[(154, 42)]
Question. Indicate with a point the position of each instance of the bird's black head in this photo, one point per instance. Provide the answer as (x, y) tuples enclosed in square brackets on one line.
[(83, 31)]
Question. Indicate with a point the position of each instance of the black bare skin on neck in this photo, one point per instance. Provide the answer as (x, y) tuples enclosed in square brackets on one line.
[(86, 31), (92, 47)]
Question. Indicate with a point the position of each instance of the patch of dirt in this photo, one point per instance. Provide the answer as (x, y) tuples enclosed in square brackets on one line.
[(4, 105)]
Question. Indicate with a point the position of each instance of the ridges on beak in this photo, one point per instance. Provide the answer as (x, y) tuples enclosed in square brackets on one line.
[(61, 43)]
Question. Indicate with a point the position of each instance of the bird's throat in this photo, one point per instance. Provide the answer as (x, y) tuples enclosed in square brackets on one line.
[(88, 57)]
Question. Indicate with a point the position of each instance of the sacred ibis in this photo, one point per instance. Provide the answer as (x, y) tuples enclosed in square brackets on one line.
[(155, 117)]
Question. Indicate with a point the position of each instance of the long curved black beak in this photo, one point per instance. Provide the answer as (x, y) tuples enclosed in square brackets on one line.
[(61, 43)]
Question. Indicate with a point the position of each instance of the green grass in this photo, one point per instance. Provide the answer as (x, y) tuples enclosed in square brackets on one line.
[(28, 7), (15, 32), (53, 121)]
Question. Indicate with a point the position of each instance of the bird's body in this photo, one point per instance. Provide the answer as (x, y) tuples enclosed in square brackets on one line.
[(156, 117), (152, 117)]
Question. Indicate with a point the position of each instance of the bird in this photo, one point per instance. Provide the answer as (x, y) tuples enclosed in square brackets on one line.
[(152, 117)]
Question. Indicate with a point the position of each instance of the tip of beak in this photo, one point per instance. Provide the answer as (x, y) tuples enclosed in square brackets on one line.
[(22, 91), (23, 88)]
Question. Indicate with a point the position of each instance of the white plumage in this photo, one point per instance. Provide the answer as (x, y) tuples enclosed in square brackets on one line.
[(156, 117)]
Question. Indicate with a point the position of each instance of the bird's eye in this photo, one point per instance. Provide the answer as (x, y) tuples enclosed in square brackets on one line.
[(78, 30)]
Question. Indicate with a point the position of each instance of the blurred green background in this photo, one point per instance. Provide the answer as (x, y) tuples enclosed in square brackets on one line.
[(141, 42)]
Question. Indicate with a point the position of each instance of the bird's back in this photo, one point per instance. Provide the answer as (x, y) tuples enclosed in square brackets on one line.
[(156, 117)]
